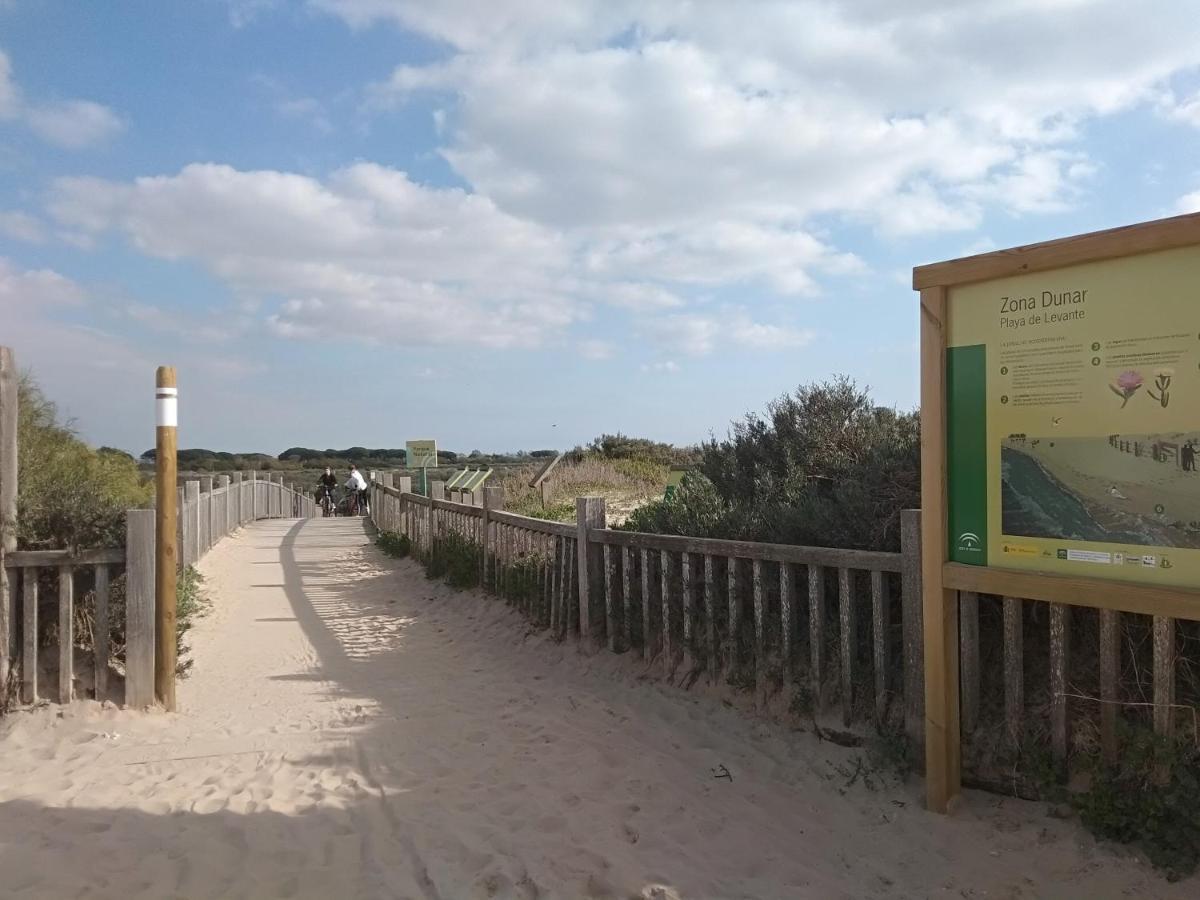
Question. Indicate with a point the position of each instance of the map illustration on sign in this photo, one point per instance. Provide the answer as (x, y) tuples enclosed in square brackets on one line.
[(1073, 420)]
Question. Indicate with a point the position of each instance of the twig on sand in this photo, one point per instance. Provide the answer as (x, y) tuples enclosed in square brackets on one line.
[(722, 772)]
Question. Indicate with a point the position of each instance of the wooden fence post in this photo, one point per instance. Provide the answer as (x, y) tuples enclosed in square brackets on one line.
[(139, 610), (590, 515), (223, 482), (164, 573), (913, 628), (8, 509), (191, 493), (493, 498), (206, 516), (437, 491), (254, 496), (236, 507)]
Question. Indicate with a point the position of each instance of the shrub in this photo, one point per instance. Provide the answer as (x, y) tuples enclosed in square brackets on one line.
[(823, 467), (456, 559), (69, 495), (1149, 798), (394, 544)]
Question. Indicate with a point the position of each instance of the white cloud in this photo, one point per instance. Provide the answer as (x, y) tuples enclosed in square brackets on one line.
[(10, 100), (1188, 203), (366, 254), (27, 290), (666, 367), (667, 117), (596, 350), (21, 226), (72, 124), (308, 110), (760, 336)]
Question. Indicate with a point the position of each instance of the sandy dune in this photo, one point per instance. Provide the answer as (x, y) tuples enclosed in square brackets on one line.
[(352, 730)]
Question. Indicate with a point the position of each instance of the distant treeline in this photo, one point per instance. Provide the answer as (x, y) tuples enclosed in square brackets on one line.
[(200, 459), (608, 446)]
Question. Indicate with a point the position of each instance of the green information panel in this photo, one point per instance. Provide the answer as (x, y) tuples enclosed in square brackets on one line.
[(1073, 420), (421, 454)]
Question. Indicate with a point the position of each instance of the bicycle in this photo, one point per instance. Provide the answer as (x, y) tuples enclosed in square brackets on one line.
[(327, 505)]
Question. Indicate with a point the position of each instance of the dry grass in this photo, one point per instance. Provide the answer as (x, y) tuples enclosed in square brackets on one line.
[(625, 484)]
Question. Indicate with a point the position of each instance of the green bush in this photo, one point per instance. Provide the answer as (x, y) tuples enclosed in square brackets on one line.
[(456, 559), (394, 544), (69, 496), (1150, 798), (823, 467), (190, 604)]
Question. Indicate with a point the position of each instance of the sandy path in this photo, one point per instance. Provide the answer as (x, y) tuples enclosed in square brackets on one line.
[(352, 730)]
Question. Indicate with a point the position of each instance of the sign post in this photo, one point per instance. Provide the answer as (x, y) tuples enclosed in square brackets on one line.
[(166, 553), (1060, 429), (421, 455)]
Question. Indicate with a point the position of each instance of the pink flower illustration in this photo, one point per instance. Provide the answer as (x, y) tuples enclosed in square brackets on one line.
[(1128, 384)]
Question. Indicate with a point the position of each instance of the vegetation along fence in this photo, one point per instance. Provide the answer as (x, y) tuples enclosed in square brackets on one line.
[(834, 630), (107, 576), (824, 624)]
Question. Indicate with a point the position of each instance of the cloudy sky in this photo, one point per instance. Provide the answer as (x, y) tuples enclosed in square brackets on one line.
[(520, 224)]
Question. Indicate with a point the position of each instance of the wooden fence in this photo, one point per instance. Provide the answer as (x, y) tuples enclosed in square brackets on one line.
[(764, 616), (845, 626), (207, 513)]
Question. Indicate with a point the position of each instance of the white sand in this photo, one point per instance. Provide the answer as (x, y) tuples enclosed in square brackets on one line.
[(352, 730)]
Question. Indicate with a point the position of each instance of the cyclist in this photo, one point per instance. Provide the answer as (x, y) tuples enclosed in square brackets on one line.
[(325, 486), (355, 482)]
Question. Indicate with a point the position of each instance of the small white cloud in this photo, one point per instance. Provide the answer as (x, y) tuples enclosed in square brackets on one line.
[(74, 124), (770, 337), (308, 110), (666, 367), (594, 349), (28, 290), (1188, 203), (21, 226)]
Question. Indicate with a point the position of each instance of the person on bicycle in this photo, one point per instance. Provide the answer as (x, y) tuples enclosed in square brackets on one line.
[(325, 485), (355, 482)]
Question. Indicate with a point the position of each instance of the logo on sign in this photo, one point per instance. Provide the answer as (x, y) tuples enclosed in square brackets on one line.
[(969, 541)]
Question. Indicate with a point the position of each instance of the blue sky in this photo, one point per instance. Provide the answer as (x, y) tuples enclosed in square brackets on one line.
[(508, 225)]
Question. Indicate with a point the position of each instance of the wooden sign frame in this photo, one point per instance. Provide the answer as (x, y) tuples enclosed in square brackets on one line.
[(942, 579)]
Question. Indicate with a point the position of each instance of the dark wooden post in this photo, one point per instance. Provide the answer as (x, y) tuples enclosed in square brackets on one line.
[(589, 516)]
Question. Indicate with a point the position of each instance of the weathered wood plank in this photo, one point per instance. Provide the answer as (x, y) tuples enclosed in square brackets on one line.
[(29, 656), (827, 556), (787, 622), (1014, 668), (100, 637), (688, 595), (1110, 669), (627, 582), (733, 600), (24, 558), (968, 658), (879, 645), (847, 634), (760, 624), (66, 634), (710, 619), (668, 639), (1164, 675), (610, 598), (139, 608), (816, 634), (648, 642), (590, 519), (9, 468), (1060, 651), (912, 626)]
